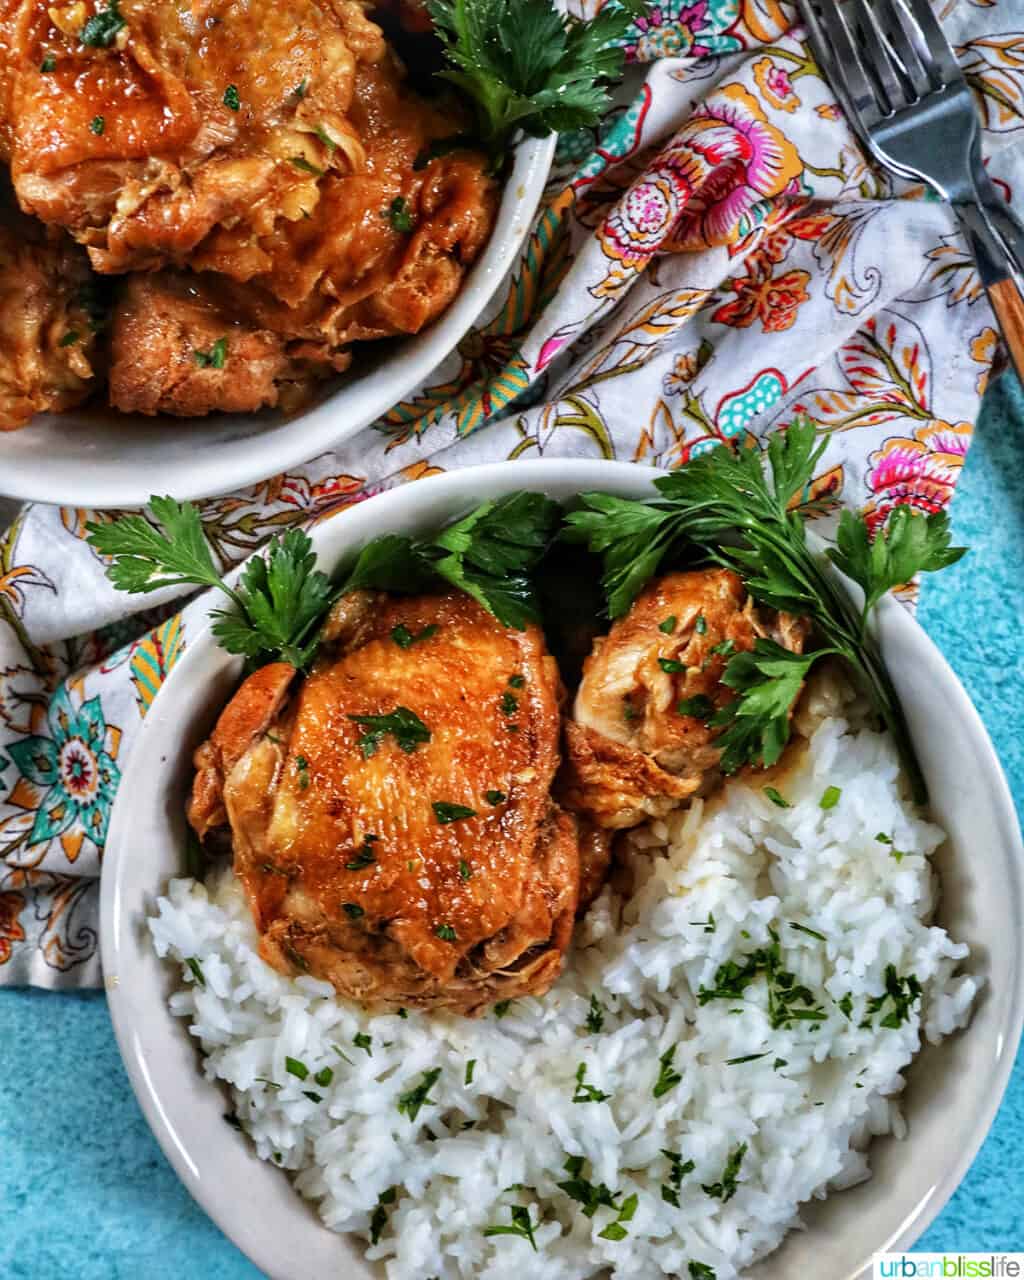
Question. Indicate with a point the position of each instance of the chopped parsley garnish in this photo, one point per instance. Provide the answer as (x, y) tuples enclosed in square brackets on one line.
[(362, 1041), (517, 681), (788, 1000), (811, 933), (197, 970), (271, 1084), (399, 215), (409, 1104), (103, 27), (615, 1230), (470, 1069), (747, 1057), (445, 812), (726, 1188), (69, 339), (701, 1271), (708, 925), (296, 1068), (324, 1077), (403, 1013), (299, 92), (325, 138), (501, 1008), (521, 1226), (776, 798), (465, 870), (680, 1168), (353, 910), (898, 854), (724, 648), (405, 638), (669, 625), (96, 125), (701, 626), (700, 707), (405, 726), (300, 162), (365, 856), (587, 1092), (779, 1062), (231, 98), (379, 1220), (48, 64), (901, 992), (313, 1097), (302, 769), (215, 357), (509, 704), (446, 933), (668, 1077), (629, 712), (830, 797), (495, 797), (671, 666), (595, 1018), (846, 1005), (579, 1188)]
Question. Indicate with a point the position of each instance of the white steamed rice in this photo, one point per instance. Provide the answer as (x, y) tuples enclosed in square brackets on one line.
[(740, 859)]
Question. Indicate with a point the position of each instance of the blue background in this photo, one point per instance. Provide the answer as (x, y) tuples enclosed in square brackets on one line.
[(86, 1194)]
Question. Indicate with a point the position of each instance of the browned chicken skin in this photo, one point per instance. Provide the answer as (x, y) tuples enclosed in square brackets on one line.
[(351, 873), (48, 343), (638, 744), (273, 148)]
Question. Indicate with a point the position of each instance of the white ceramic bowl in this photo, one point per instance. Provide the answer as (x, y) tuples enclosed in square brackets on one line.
[(953, 1089), (100, 458)]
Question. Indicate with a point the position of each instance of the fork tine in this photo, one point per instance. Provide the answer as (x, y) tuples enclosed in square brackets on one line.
[(894, 21), (838, 53), (879, 55), (943, 59)]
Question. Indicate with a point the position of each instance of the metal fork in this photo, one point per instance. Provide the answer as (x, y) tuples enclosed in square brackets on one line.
[(894, 73)]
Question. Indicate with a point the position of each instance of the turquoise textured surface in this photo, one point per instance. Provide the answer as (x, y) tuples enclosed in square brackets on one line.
[(85, 1193)]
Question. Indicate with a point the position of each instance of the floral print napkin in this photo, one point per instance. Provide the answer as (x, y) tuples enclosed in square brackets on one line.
[(716, 258)]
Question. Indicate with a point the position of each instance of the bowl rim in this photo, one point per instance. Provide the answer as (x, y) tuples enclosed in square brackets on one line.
[(256, 455), (474, 483)]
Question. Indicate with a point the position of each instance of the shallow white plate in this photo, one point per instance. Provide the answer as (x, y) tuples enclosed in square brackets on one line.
[(953, 1090), (100, 458)]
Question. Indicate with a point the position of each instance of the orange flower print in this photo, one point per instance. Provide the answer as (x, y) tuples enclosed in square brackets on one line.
[(11, 906), (774, 300), (983, 350), (775, 85), (829, 111)]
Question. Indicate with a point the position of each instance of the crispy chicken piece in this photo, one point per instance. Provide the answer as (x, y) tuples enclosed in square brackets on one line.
[(48, 342), (187, 344), (266, 140), (356, 864), (145, 127), (638, 744)]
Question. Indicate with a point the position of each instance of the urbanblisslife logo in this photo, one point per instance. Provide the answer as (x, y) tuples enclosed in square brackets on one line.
[(949, 1266)]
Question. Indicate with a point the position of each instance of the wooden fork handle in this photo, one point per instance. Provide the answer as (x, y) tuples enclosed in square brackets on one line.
[(1008, 304)]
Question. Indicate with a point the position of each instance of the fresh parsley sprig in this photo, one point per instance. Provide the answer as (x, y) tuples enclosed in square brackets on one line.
[(729, 509), (277, 602), (526, 66), (489, 554)]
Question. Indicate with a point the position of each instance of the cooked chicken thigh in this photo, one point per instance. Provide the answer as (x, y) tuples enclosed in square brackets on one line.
[(416, 859), (638, 744), (47, 335)]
